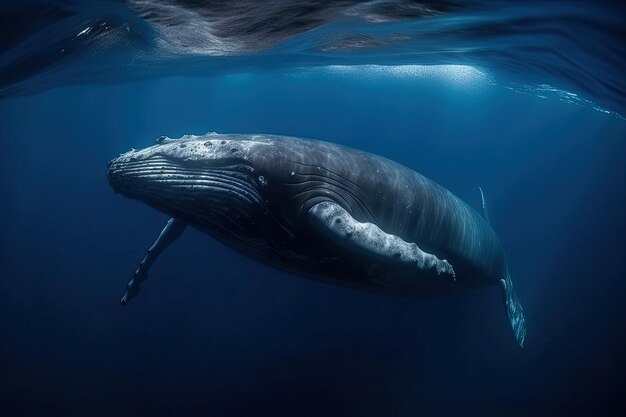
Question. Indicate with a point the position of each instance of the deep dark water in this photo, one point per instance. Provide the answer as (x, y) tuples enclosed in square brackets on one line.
[(215, 334)]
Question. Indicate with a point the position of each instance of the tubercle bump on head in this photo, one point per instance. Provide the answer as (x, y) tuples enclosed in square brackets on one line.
[(163, 139)]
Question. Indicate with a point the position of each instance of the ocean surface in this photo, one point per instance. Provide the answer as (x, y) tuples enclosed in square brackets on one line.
[(524, 99)]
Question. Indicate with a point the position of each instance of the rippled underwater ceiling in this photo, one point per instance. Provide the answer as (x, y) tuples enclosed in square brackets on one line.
[(564, 50)]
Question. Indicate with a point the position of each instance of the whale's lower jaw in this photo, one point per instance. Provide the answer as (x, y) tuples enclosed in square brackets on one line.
[(174, 186)]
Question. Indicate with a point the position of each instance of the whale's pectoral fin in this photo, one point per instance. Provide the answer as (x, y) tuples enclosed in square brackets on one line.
[(514, 309), (335, 222), (172, 230)]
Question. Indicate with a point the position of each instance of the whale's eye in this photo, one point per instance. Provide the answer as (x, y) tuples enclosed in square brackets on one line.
[(261, 179)]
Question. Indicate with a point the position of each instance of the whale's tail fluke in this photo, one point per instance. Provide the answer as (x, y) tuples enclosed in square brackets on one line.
[(513, 306), (514, 309)]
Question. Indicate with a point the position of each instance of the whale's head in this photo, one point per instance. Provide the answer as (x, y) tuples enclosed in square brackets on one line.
[(214, 178)]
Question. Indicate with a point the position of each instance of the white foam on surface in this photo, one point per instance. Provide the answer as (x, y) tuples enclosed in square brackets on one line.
[(464, 76), (459, 75), (546, 91)]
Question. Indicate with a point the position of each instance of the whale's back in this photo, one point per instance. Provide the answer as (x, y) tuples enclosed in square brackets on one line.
[(397, 199)]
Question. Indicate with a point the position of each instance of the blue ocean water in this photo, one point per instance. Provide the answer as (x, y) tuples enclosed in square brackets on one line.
[(214, 333)]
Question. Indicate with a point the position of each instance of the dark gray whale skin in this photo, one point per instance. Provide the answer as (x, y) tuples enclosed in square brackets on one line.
[(256, 193), (398, 200), (297, 174)]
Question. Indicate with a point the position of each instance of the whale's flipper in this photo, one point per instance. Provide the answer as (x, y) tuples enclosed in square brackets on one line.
[(172, 230), (335, 222), (484, 203), (514, 310)]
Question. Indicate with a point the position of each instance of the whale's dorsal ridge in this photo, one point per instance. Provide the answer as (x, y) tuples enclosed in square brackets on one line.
[(484, 205)]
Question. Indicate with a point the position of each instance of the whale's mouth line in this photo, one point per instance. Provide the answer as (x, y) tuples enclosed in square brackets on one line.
[(229, 163), (158, 179)]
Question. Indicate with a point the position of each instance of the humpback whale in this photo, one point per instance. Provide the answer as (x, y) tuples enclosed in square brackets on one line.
[(319, 210)]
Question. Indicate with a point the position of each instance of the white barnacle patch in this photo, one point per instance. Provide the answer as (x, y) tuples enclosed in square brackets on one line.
[(206, 147), (334, 221)]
